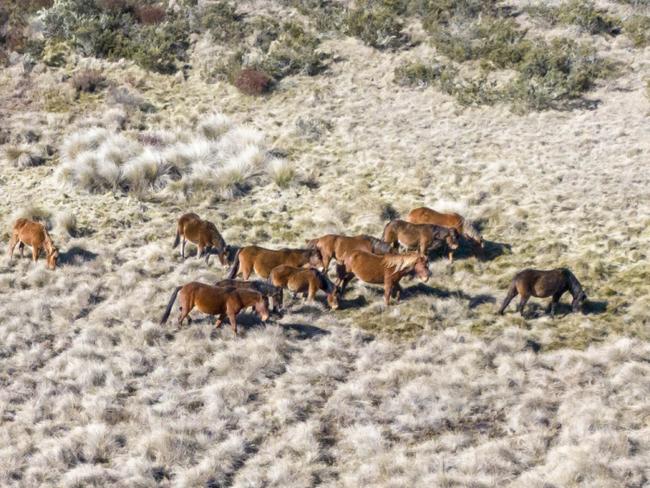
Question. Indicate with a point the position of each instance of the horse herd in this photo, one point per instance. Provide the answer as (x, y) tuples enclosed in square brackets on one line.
[(367, 258)]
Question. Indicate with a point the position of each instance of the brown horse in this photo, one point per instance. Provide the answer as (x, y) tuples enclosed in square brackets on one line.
[(202, 233), (334, 246), (539, 283), (266, 289), (424, 215), (262, 261), (424, 237), (387, 270), (305, 281), (214, 300), (35, 235)]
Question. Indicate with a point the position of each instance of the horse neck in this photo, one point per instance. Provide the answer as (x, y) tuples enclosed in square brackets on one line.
[(574, 285), (325, 283), (48, 243)]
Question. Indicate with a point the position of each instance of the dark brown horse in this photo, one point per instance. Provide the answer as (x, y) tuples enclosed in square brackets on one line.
[(262, 261), (464, 227), (263, 287), (539, 283), (424, 237), (202, 233), (387, 270), (306, 282), (334, 246), (35, 235), (214, 300)]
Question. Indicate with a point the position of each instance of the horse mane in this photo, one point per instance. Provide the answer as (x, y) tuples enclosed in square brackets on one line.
[(470, 230), (574, 285), (49, 243), (400, 261), (325, 283), (378, 246)]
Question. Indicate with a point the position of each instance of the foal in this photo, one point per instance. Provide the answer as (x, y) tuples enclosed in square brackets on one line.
[(262, 260), (305, 281), (202, 233), (266, 289), (539, 283), (423, 236), (35, 235), (335, 246)]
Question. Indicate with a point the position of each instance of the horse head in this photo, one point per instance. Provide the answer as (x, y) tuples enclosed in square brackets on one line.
[(52, 258), (262, 308), (452, 239), (578, 303)]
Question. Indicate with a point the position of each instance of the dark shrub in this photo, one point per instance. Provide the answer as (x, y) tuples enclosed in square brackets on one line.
[(376, 26), (150, 14), (253, 82)]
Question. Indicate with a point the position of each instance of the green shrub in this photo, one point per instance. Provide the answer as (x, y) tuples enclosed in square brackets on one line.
[(499, 42), (637, 28), (376, 26), (109, 29), (582, 13), (222, 21), (294, 51), (555, 75)]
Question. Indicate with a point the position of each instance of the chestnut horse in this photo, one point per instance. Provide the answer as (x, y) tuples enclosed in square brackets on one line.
[(388, 270), (424, 215), (306, 282), (262, 261), (539, 283), (33, 234), (202, 233), (423, 236), (338, 246), (214, 300), (266, 289)]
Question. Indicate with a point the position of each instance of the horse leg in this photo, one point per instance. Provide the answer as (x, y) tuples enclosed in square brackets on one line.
[(207, 253), (346, 280), (21, 248), (12, 245), (233, 322), (388, 290), (246, 269), (35, 253), (183, 248), (219, 321), (522, 304), (184, 312), (397, 292), (554, 301), (512, 292), (451, 256)]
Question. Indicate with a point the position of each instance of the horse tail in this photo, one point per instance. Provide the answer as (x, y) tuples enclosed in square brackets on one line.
[(384, 236), (235, 266), (168, 310), (177, 241)]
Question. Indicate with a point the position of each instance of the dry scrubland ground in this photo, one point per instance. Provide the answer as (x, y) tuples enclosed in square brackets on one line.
[(435, 391)]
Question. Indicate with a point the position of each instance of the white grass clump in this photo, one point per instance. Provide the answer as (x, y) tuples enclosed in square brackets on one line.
[(216, 156), (282, 172)]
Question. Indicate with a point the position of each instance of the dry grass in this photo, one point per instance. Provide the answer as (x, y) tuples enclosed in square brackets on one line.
[(435, 391)]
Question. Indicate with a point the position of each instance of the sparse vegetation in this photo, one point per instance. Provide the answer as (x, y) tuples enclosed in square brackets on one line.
[(582, 13), (637, 29), (376, 25), (88, 80)]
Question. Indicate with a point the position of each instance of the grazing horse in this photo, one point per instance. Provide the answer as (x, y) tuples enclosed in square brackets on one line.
[(202, 233), (35, 235), (423, 236), (305, 281), (424, 215), (214, 300), (262, 261), (388, 270), (263, 287), (538, 283), (334, 246)]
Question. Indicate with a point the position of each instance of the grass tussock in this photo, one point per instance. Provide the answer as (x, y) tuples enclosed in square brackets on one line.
[(215, 157), (582, 13)]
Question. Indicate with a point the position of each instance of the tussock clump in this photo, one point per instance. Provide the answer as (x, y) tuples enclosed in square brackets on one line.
[(22, 157), (65, 222), (637, 29), (253, 82), (150, 14), (215, 157), (282, 172), (88, 80)]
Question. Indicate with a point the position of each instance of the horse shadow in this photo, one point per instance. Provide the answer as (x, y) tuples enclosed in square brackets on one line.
[(480, 299), (76, 256), (492, 250), (304, 331), (595, 307)]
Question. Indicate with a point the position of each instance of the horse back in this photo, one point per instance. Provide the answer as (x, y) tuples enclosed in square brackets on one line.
[(30, 232), (365, 265), (425, 215)]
